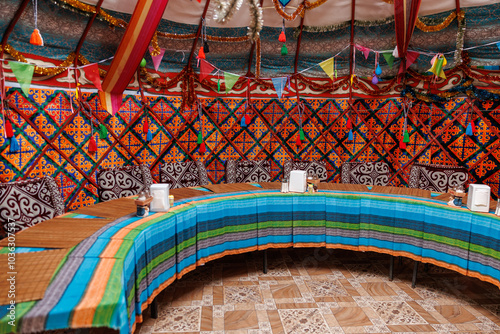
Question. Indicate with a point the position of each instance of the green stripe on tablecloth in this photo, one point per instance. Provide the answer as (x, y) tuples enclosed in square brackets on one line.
[(162, 258), (340, 225), (227, 229), (484, 251), (21, 310), (110, 300), (275, 224), (309, 223), (186, 244)]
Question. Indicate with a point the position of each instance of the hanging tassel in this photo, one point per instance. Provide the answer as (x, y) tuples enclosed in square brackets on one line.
[(282, 37), (149, 136), (200, 138), (145, 126), (248, 119), (92, 145), (298, 142), (218, 85), (206, 48), (36, 38), (350, 135), (201, 54), (8, 129), (284, 50), (402, 145), (349, 124), (473, 125), (468, 130), (14, 145), (243, 123), (301, 134), (103, 132), (406, 137), (202, 149)]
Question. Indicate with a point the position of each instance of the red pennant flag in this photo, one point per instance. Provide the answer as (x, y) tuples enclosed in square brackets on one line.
[(411, 56), (156, 59), (92, 73), (205, 69)]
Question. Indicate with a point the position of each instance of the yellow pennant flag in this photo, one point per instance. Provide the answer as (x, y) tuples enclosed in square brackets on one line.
[(327, 66)]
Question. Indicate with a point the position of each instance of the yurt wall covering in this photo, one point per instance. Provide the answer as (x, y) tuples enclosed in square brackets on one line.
[(54, 139), (54, 125)]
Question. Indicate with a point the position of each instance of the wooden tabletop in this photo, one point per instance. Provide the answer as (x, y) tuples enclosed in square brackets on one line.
[(183, 193), (270, 185), (343, 187), (230, 187), (401, 191)]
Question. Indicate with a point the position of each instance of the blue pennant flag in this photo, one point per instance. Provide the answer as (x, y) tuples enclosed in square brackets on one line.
[(284, 2), (279, 85)]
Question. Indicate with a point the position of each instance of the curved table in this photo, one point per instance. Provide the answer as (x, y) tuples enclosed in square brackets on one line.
[(111, 277)]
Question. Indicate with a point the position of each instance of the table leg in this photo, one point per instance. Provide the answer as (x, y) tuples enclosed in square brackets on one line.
[(154, 309), (414, 278), (391, 268), (264, 262)]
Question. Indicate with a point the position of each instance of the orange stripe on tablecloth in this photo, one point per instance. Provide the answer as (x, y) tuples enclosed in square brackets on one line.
[(83, 314), (126, 229)]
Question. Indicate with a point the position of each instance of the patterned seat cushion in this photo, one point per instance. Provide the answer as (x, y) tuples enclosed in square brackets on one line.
[(369, 173), (123, 181), (437, 177), (239, 171), (315, 167), (29, 202), (184, 174)]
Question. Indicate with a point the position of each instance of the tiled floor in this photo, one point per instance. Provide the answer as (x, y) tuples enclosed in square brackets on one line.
[(319, 291)]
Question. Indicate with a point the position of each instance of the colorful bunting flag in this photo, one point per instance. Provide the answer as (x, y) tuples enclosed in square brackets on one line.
[(389, 58), (92, 73), (284, 2), (279, 85), (411, 57), (230, 79), (438, 62), (364, 50), (327, 66), (205, 69), (24, 74), (156, 59)]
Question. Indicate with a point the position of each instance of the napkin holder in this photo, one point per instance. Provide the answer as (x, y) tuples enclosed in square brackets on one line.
[(479, 198), (160, 202), (298, 181)]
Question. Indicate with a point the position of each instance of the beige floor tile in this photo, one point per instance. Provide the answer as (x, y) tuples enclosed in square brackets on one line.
[(285, 291), (455, 314), (351, 316), (378, 289), (206, 318), (234, 320)]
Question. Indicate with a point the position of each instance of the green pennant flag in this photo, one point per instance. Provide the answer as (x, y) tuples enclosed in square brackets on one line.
[(389, 58), (230, 80), (24, 74)]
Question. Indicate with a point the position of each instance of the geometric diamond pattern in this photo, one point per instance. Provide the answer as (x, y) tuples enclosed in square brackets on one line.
[(437, 136)]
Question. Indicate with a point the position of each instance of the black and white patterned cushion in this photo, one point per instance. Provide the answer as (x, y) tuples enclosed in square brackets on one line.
[(369, 173), (123, 181), (314, 167), (240, 171), (437, 177), (184, 174), (29, 202)]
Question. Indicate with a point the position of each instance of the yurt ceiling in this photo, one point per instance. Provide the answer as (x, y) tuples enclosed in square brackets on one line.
[(315, 31)]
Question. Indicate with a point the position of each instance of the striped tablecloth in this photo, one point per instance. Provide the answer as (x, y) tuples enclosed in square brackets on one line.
[(111, 277)]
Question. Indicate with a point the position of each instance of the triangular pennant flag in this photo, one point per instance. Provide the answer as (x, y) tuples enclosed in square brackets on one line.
[(230, 79), (156, 59), (395, 53), (279, 85), (24, 74), (327, 66), (411, 56), (284, 2), (364, 50), (389, 58), (92, 73), (205, 69)]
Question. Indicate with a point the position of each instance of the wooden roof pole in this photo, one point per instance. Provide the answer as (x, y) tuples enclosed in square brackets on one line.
[(13, 22), (351, 65), (86, 31), (252, 49), (198, 33)]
